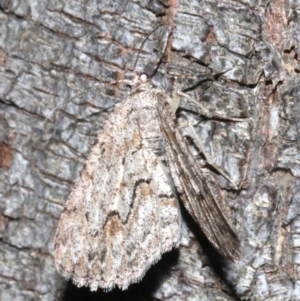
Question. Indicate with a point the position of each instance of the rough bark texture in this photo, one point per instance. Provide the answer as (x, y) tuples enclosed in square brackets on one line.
[(52, 50)]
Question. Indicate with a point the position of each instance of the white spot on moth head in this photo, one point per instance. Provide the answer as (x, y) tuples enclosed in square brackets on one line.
[(144, 77)]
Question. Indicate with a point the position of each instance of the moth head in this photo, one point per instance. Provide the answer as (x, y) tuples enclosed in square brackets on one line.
[(144, 77)]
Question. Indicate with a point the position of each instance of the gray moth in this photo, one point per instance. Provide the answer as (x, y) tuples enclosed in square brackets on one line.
[(123, 212)]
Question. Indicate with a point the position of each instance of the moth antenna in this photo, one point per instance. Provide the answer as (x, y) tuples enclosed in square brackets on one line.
[(128, 82), (147, 37)]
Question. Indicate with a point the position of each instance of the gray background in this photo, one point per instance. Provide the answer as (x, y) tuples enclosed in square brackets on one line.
[(52, 50)]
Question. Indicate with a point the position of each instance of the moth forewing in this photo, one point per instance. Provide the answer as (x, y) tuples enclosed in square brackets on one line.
[(122, 214)]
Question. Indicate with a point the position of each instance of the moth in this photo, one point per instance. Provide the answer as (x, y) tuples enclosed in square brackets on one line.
[(123, 212)]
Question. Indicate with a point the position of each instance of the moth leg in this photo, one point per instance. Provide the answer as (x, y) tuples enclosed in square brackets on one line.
[(201, 110), (207, 155), (205, 112), (175, 100)]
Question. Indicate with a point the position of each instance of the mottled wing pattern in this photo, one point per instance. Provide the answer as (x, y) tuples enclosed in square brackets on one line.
[(196, 191), (122, 214)]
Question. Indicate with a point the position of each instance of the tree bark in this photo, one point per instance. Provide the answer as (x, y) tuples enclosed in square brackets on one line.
[(240, 60)]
